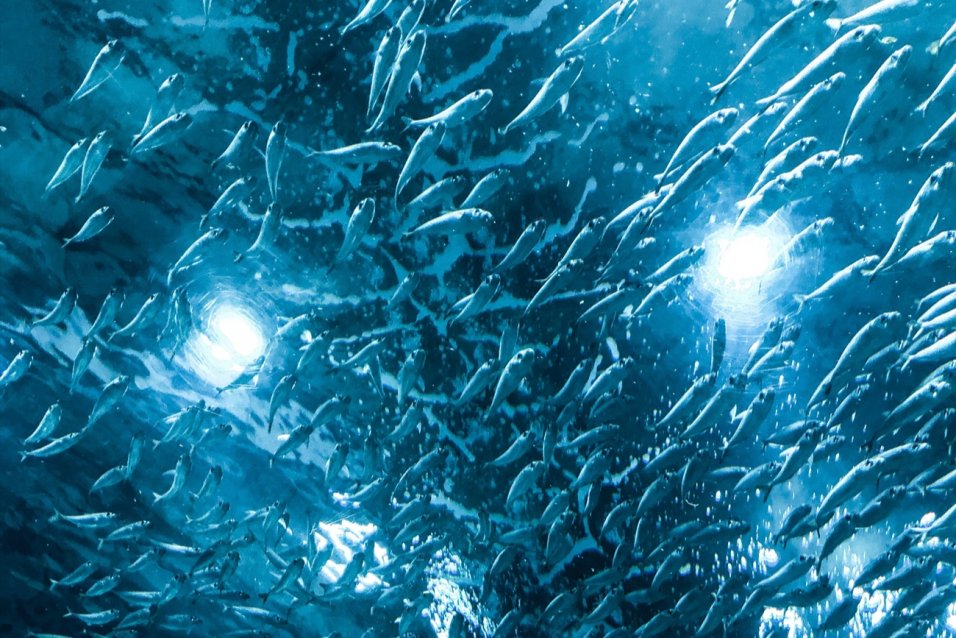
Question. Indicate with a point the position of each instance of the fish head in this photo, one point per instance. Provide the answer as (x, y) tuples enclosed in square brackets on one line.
[(174, 82), (537, 226), (866, 35), (415, 41), (724, 152), (940, 178), (279, 129), (901, 56), (596, 225), (572, 66), (823, 7), (807, 144), (835, 81), (726, 116)]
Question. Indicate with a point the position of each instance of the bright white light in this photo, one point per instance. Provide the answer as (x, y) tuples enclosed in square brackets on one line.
[(228, 338), (236, 333), (739, 279), (745, 256), (789, 618), (768, 557)]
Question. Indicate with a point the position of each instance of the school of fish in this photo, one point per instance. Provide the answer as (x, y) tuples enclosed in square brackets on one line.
[(480, 408)]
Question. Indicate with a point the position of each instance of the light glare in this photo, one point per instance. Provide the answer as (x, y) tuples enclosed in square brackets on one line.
[(745, 257)]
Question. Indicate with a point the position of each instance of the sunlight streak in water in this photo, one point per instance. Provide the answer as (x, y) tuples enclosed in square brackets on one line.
[(228, 338), (739, 269)]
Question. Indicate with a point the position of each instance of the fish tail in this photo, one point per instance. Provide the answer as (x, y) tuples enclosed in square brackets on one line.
[(718, 90)]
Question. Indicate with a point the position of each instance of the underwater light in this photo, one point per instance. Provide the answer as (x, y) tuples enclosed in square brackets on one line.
[(226, 341), (745, 256), (739, 267), (237, 334)]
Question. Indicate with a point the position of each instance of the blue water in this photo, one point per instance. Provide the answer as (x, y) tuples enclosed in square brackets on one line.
[(160, 479)]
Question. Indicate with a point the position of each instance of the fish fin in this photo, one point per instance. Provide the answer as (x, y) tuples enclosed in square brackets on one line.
[(834, 23), (563, 102)]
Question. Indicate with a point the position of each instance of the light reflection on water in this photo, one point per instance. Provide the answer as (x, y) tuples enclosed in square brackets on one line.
[(446, 575)]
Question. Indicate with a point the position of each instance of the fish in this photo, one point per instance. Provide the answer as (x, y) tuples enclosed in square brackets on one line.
[(919, 219), (806, 109), (357, 228), (514, 372), (856, 42), (95, 224), (16, 369), (164, 102), (69, 165), (96, 154), (165, 132), (944, 85), (366, 14), (47, 426), (240, 146), (486, 187), (424, 148), (362, 153), (107, 61), (275, 154), (111, 395), (781, 34), (406, 65), (61, 310), (522, 248), (382, 65), (555, 88), (705, 135), (876, 91), (463, 220), (269, 231), (602, 29), (180, 472), (458, 113)]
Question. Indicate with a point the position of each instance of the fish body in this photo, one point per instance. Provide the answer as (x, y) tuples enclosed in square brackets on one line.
[(93, 226), (781, 34), (554, 88), (240, 146), (69, 165), (93, 160), (511, 377), (382, 65), (166, 132), (62, 309), (275, 154), (424, 148), (106, 62), (406, 65), (530, 237), (458, 113), (357, 228)]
